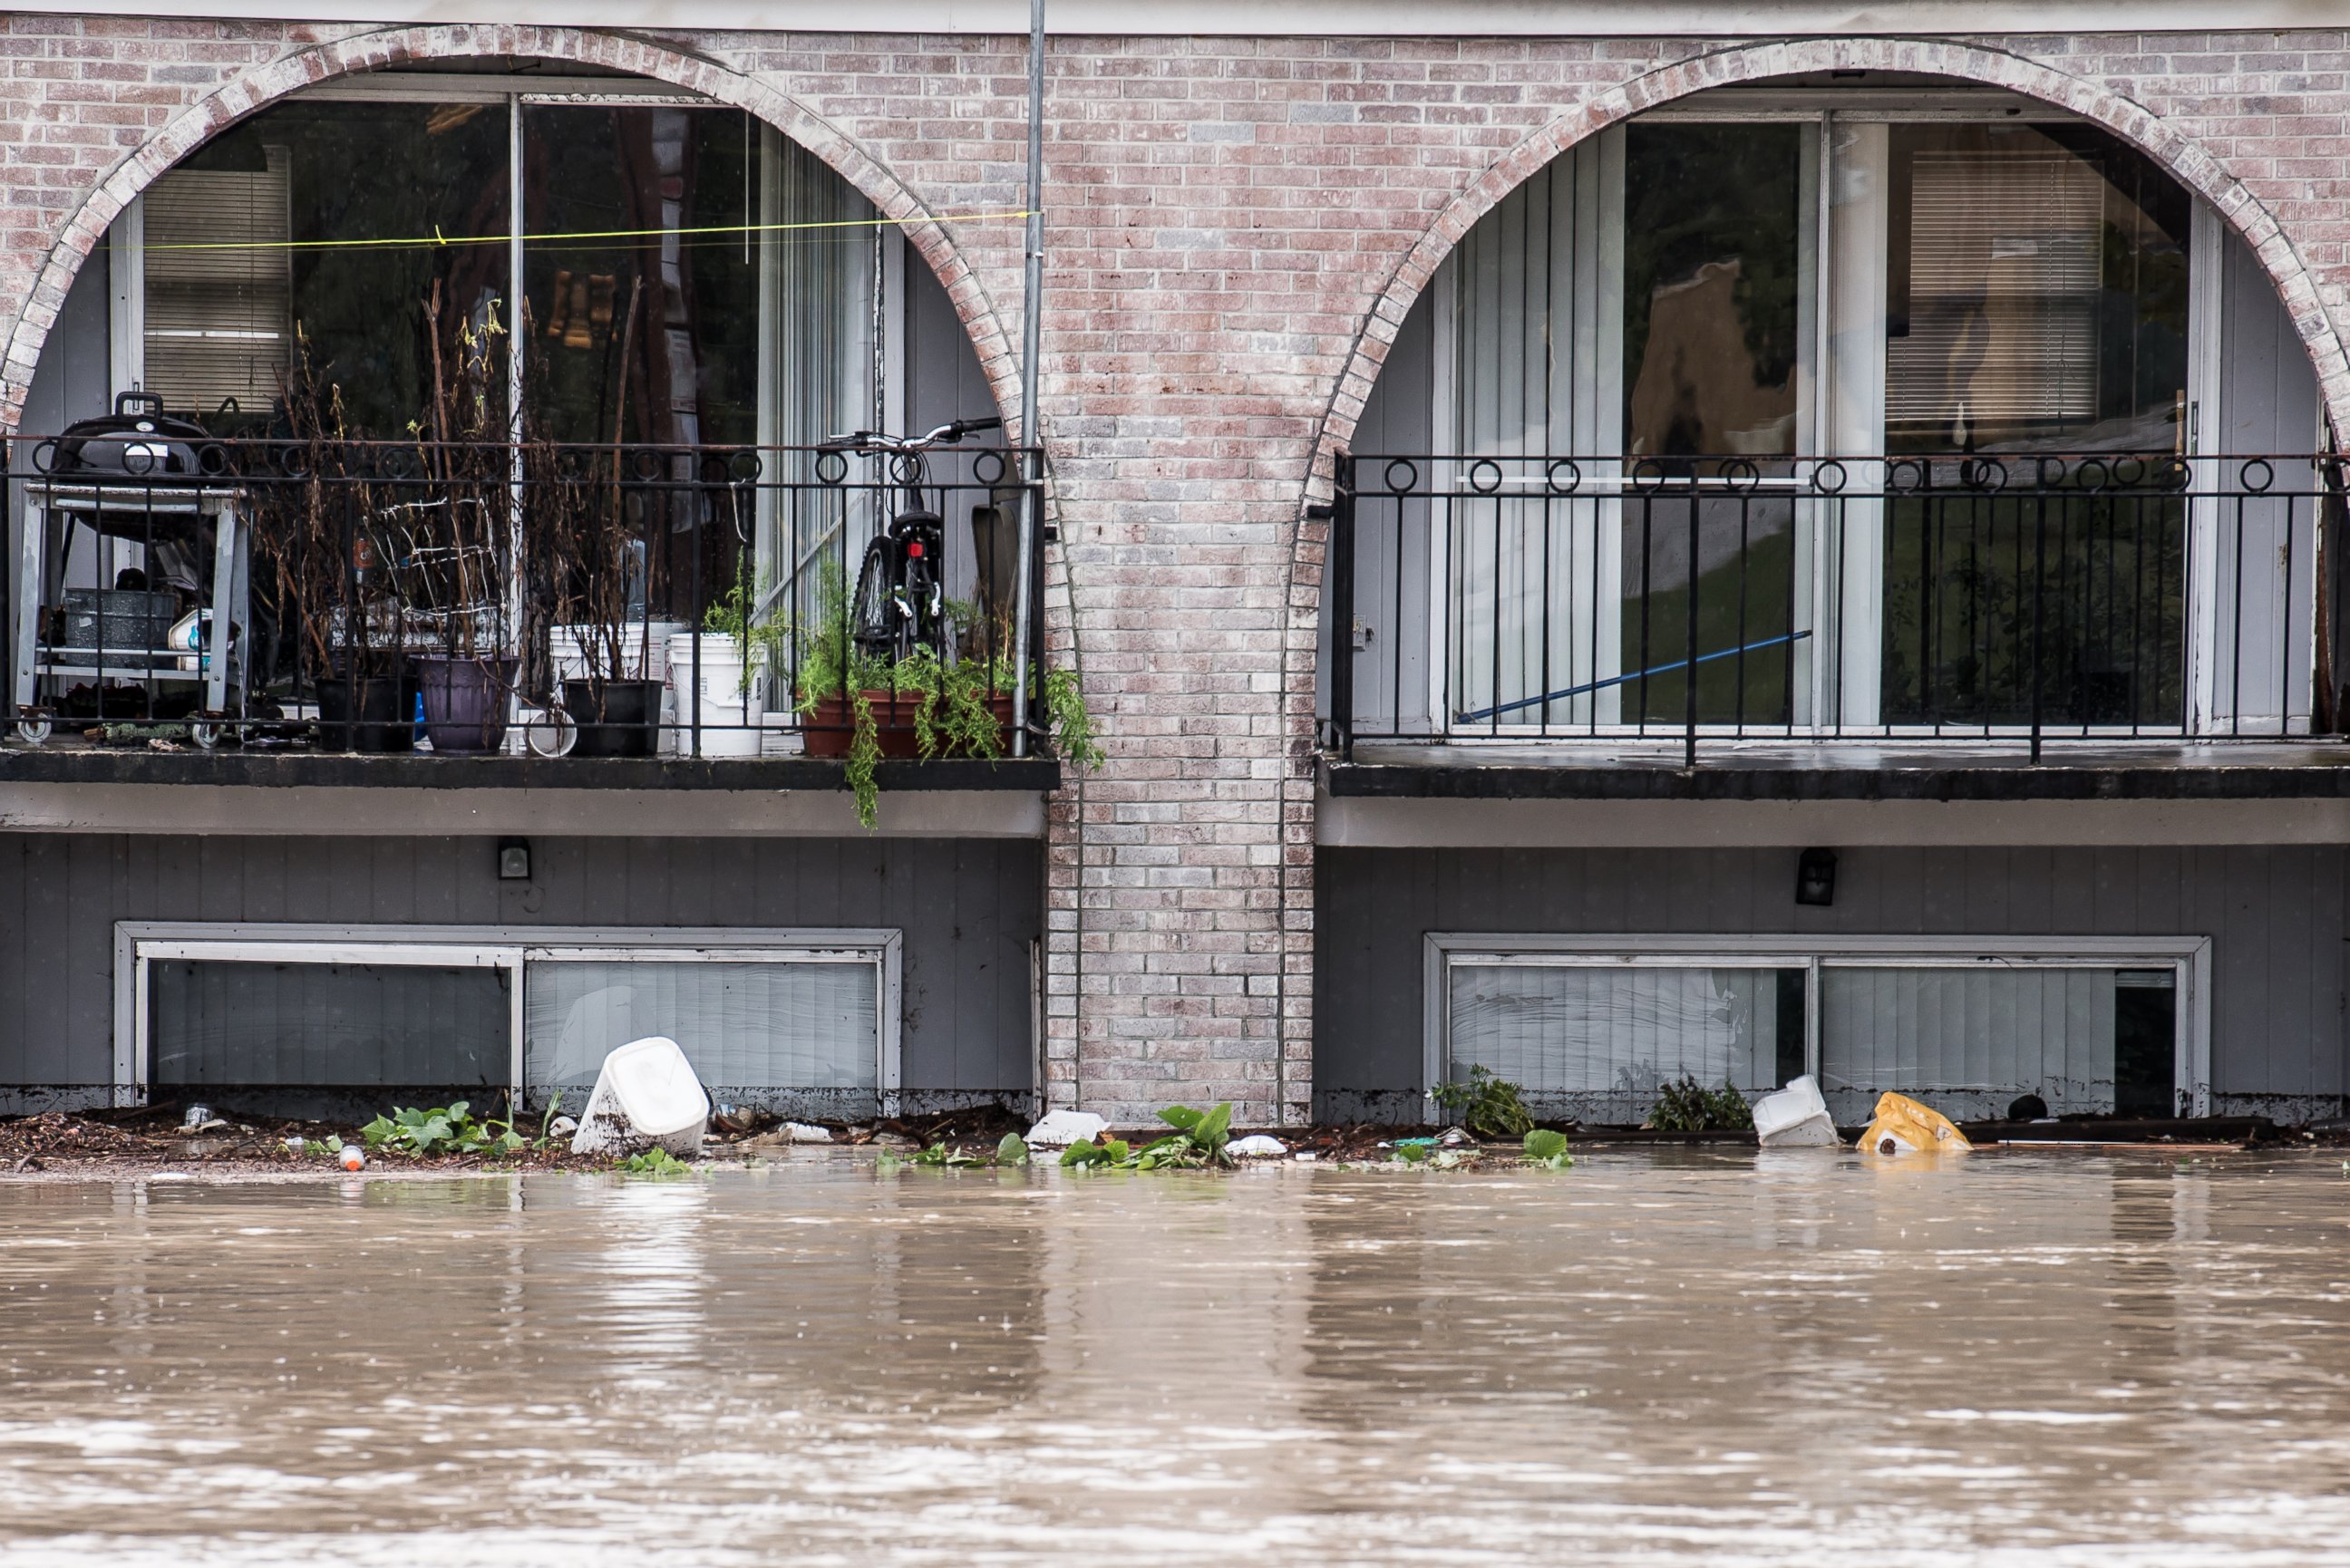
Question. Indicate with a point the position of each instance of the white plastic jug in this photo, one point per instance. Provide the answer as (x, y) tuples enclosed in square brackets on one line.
[(1796, 1117), (646, 1094)]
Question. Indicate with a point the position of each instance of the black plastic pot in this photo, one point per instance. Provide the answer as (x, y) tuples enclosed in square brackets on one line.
[(619, 719), (383, 719), (464, 703)]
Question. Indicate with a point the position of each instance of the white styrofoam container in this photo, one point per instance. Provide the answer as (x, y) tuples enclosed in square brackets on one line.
[(1059, 1129), (1796, 1117), (646, 1094)]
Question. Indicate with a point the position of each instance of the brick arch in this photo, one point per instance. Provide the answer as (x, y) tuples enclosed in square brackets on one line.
[(265, 85), (2187, 161)]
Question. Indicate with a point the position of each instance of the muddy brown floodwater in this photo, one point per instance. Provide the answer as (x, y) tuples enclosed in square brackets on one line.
[(1671, 1357)]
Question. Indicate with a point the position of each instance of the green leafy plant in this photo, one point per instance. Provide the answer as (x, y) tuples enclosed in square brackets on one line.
[(1548, 1150), (952, 700), (1199, 1140), (1073, 727), (453, 1129), (762, 638), (1086, 1153), (1011, 1151), (1490, 1106), (443, 1129), (1685, 1104), (656, 1162)]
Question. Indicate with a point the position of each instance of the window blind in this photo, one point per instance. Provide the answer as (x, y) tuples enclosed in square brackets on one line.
[(1969, 1039), (219, 285), (224, 1022), (2005, 253), (783, 1025), (1603, 1039)]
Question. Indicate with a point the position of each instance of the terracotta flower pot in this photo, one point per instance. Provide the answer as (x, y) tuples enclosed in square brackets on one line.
[(831, 724)]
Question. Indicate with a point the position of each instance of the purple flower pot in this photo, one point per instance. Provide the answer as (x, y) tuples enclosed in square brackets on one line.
[(465, 701)]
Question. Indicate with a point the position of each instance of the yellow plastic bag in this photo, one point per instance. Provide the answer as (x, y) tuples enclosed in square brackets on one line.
[(1905, 1127)]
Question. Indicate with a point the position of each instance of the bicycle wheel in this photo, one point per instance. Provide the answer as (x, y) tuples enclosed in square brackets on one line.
[(873, 612)]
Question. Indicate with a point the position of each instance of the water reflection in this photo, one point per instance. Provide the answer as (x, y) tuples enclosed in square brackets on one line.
[(1685, 1356)]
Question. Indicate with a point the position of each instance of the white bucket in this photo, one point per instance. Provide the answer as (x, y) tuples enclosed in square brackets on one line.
[(730, 717), (566, 646), (1796, 1117), (646, 1094)]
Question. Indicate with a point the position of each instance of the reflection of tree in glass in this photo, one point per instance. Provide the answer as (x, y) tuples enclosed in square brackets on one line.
[(1710, 288)]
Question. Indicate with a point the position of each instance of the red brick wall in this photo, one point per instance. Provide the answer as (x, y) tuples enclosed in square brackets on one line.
[(1238, 226)]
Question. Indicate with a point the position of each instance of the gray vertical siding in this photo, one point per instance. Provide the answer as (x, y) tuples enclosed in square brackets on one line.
[(2275, 916), (969, 911), (73, 382), (1391, 596)]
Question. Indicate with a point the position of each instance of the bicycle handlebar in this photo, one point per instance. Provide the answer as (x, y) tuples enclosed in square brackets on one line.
[(879, 441)]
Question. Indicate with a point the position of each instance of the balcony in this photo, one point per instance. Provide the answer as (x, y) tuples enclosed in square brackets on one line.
[(344, 612), (1987, 624)]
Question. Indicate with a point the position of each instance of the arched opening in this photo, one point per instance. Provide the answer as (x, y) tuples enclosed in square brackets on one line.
[(1872, 409), (534, 262), (1859, 405)]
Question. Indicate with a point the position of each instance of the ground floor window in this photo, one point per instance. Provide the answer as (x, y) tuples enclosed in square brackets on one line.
[(1591, 1027), (801, 1019)]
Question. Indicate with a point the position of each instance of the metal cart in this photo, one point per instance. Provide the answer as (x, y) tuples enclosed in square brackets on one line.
[(145, 515)]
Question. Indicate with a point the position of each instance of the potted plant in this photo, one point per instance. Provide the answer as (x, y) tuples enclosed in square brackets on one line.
[(741, 641), (460, 542), (328, 574), (858, 705), (589, 587)]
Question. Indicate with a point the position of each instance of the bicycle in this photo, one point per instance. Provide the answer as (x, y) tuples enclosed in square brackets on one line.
[(899, 604)]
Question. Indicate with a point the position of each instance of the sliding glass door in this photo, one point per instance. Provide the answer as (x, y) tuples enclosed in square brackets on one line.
[(2036, 304), (685, 278), (1989, 320)]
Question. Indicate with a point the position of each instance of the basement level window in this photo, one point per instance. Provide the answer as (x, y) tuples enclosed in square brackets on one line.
[(797, 1020), (1591, 1027)]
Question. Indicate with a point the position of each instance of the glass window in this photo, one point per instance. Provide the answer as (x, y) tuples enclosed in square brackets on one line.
[(1716, 307), (1599, 1040), (648, 232), (1714, 242), (1992, 286), (648, 210), (2036, 301), (2036, 293), (1594, 1036), (1970, 1040), (743, 1025), (219, 1022), (330, 220)]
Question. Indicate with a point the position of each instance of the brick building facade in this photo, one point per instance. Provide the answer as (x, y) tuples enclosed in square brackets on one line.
[(1237, 229)]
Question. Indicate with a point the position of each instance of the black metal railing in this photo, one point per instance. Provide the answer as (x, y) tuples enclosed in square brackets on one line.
[(1991, 598), (470, 596)]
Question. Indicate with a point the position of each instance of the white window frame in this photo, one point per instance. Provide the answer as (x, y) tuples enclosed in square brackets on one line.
[(138, 943), (1840, 592), (2187, 957)]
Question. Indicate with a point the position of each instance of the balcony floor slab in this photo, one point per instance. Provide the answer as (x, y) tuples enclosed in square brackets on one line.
[(1847, 770)]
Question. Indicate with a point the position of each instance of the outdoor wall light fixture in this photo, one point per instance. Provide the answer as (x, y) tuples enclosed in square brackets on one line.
[(514, 859), (1815, 877)]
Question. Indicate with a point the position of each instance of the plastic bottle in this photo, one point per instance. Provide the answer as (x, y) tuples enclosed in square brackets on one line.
[(354, 1159)]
